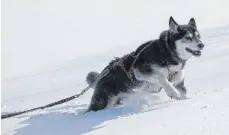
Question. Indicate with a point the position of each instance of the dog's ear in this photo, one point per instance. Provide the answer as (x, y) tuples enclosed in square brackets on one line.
[(172, 24), (192, 22)]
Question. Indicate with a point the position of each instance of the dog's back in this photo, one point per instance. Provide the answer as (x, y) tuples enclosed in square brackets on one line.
[(93, 76)]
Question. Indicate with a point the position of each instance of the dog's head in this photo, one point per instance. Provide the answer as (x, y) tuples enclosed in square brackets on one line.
[(187, 39)]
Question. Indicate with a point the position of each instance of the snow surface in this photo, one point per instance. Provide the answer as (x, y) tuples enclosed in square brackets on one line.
[(29, 28), (206, 112)]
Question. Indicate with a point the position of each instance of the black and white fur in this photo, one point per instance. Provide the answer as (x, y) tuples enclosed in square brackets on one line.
[(112, 84), (92, 77), (162, 62), (159, 62)]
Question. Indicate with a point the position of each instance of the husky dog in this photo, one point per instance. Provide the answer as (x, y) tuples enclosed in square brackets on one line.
[(158, 64), (162, 62)]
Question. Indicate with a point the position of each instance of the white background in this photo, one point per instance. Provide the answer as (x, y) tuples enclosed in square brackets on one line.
[(40, 33)]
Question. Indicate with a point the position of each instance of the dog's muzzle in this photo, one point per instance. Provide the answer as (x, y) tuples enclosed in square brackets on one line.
[(196, 53)]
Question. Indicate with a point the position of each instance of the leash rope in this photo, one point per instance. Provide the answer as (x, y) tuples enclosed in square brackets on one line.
[(120, 63), (48, 105)]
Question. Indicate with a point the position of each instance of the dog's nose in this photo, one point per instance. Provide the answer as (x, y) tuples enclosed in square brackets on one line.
[(201, 46)]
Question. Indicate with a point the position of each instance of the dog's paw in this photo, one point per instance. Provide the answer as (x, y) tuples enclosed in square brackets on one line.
[(183, 97), (174, 95)]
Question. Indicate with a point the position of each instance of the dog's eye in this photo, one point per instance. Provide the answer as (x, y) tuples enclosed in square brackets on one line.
[(198, 36), (188, 38)]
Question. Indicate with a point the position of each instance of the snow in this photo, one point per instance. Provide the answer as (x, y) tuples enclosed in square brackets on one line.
[(200, 115), (37, 80)]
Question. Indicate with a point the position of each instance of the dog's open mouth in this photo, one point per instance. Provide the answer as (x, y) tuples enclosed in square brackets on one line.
[(195, 53)]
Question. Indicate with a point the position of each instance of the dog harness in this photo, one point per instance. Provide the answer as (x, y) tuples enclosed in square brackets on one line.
[(128, 73)]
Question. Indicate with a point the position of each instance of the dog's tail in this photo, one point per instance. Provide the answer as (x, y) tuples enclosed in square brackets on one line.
[(91, 78)]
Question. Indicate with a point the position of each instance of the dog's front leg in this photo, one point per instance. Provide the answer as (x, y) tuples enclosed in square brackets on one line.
[(170, 90), (178, 80), (161, 75), (181, 88)]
